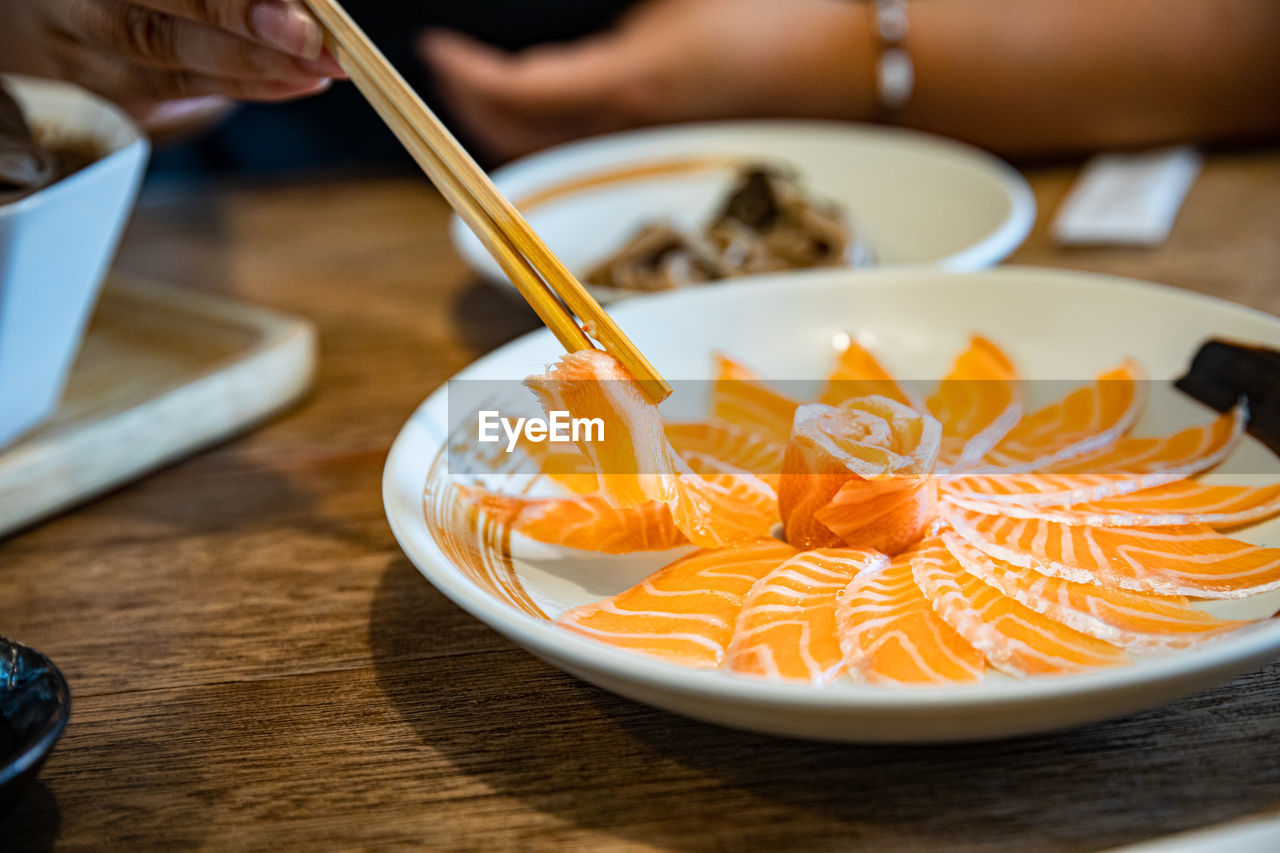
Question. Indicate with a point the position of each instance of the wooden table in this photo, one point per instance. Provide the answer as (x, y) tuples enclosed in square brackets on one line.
[(255, 664)]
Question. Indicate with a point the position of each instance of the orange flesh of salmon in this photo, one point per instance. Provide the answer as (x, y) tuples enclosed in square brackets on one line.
[(1180, 503), (633, 458), (743, 449), (565, 465), (1189, 560), (857, 475), (1088, 419), (1072, 542), (890, 634), (684, 613), (1141, 622), (636, 463), (1130, 465), (977, 403), (587, 522), (720, 505), (1014, 638), (740, 397), (787, 627), (859, 374)]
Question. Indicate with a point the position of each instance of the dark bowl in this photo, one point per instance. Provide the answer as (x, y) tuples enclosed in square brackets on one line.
[(34, 705)]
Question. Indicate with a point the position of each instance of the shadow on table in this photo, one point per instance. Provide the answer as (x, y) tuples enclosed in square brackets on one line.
[(32, 822), (601, 762)]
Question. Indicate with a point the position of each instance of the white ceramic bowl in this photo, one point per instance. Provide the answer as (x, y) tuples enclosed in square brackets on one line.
[(55, 247), (916, 199), (1056, 324)]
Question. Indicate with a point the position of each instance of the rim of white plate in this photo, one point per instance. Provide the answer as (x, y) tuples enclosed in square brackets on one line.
[(984, 253), (546, 637)]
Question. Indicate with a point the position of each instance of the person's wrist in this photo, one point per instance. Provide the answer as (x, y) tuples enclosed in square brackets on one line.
[(862, 99), (844, 86)]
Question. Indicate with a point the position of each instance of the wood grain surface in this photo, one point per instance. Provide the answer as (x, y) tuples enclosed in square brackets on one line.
[(256, 665), (162, 373)]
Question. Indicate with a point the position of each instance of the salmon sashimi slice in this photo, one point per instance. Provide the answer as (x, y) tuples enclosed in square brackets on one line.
[(632, 459), (586, 522), (742, 448), (717, 508), (857, 475), (859, 374), (1140, 622), (1014, 638), (1130, 465), (977, 403), (1183, 502), (684, 613), (741, 397), (889, 633), (1087, 419), (787, 627), (1191, 560), (565, 465), (636, 463), (720, 505)]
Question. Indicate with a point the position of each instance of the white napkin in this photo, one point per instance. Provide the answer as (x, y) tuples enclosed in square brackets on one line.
[(1127, 199)]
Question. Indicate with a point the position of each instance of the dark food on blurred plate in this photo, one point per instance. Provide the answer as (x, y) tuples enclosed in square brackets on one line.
[(766, 224), (32, 159), (1222, 372)]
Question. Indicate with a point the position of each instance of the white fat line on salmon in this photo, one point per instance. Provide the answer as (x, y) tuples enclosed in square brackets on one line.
[(557, 427)]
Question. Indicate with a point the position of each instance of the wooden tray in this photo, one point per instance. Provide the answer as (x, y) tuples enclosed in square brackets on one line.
[(162, 374)]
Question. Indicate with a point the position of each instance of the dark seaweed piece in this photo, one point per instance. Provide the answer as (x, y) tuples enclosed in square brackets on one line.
[(1223, 372)]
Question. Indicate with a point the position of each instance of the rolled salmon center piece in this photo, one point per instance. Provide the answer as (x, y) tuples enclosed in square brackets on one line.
[(859, 475)]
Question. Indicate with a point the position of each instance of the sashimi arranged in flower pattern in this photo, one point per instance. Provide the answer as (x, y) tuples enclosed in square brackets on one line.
[(884, 536)]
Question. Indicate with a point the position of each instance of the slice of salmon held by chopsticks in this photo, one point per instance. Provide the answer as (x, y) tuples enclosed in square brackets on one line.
[(632, 458), (713, 504)]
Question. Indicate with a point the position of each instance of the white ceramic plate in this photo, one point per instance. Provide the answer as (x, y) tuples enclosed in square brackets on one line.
[(917, 199), (1056, 324)]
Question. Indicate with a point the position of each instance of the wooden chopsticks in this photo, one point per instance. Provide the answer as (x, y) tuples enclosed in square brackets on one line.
[(550, 289)]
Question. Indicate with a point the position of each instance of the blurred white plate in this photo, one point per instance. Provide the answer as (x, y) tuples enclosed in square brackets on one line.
[(1055, 324), (917, 199)]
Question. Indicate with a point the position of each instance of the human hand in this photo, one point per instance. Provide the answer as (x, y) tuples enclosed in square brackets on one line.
[(667, 60), (148, 55)]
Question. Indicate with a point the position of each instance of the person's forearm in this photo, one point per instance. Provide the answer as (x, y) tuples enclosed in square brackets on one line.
[(1046, 76)]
